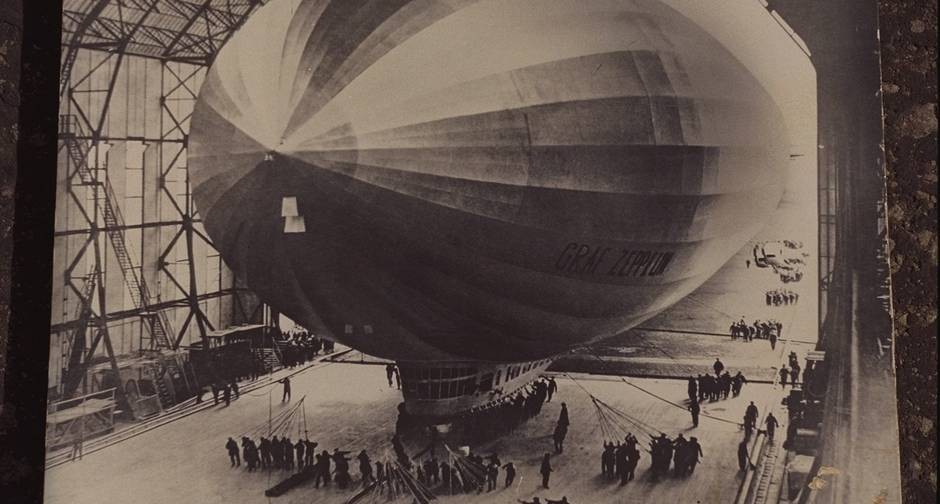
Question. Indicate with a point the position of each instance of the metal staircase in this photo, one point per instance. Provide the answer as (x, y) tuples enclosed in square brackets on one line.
[(105, 199), (270, 358), (161, 334)]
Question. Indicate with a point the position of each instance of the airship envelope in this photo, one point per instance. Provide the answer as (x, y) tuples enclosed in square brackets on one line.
[(495, 180)]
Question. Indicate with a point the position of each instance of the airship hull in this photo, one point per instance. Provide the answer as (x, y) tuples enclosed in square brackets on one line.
[(500, 180)]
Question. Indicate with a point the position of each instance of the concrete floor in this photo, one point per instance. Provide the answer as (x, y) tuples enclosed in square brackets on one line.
[(185, 461)]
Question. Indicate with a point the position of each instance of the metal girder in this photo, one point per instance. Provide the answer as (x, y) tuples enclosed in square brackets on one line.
[(163, 305), (172, 32), (181, 31)]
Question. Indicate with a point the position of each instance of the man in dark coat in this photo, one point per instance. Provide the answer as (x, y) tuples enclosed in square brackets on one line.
[(546, 469), (322, 469), (693, 454), (232, 448), (694, 408), (510, 473)]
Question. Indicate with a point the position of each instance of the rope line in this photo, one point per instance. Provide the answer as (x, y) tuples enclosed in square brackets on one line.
[(656, 396)]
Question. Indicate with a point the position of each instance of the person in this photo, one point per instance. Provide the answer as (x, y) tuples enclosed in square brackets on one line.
[(694, 452), (772, 425), (783, 376), (748, 427), (389, 372), (286, 395), (264, 446), (309, 453), (342, 468), (679, 454), (794, 374), (233, 456), (692, 389), (742, 455), (546, 469), (751, 413), (510, 473), (215, 393), (559, 437), (299, 447), (737, 383), (287, 448), (563, 416), (77, 447), (552, 388), (633, 458), (747, 263), (322, 469), (606, 459), (773, 340), (492, 474), (227, 393), (694, 408), (718, 367)]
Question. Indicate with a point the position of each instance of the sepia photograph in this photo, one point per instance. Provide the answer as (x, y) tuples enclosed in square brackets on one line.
[(470, 251)]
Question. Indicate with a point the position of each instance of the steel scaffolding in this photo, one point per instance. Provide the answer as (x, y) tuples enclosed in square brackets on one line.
[(131, 254)]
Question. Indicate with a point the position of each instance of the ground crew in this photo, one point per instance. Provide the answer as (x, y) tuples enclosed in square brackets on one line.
[(546, 469), (772, 424), (718, 367), (286, 395), (510, 473), (694, 408), (233, 456)]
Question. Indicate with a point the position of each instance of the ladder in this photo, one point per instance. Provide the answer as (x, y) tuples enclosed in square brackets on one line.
[(768, 466), (78, 150)]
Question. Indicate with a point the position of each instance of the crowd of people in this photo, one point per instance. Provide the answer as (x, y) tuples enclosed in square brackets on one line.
[(619, 461), (781, 297), (298, 347), (504, 415), (791, 370), (762, 329), (455, 474), (713, 388)]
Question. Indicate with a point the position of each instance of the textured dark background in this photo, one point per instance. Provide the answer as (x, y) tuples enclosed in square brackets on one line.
[(28, 62)]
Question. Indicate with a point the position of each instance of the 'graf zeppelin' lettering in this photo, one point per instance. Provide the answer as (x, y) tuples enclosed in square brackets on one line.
[(585, 259)]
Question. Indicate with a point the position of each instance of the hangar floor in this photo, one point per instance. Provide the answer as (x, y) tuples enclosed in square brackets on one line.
[(185, 461)]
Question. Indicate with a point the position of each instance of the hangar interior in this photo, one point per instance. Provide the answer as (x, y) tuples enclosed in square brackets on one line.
[(134, 272)]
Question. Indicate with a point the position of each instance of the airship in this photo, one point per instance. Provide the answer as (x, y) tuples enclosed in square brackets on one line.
[(473, 187)]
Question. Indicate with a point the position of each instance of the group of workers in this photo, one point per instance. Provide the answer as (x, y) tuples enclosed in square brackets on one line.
[(781, 297), (298, 347), (619, 461), (504, 415), (720, 386), (792, 371), (222, 391), (759, 329)]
